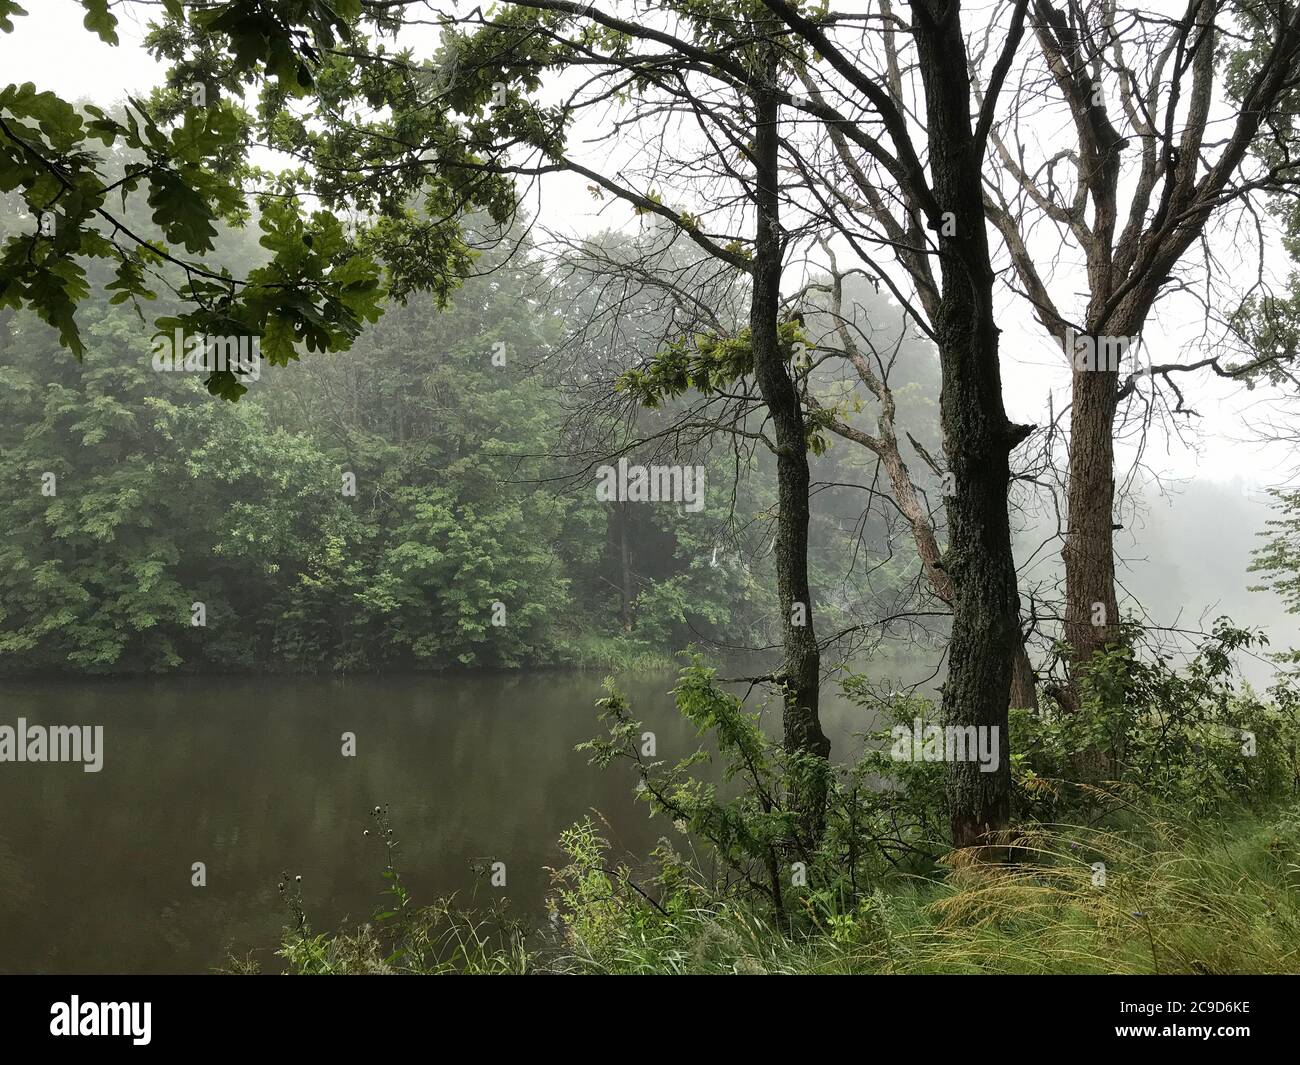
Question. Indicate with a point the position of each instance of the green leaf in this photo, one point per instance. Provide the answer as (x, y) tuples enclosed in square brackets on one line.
[(100, 20), (7, 8)]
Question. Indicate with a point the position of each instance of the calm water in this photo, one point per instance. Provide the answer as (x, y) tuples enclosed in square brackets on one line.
[(247, 776)]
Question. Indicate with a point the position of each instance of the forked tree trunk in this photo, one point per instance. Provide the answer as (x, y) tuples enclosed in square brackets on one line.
[(1024, 684)]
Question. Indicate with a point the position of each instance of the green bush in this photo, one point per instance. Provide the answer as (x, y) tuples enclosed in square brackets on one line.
[(1143, 730)]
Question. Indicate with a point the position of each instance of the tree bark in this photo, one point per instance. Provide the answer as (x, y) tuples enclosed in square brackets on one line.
[(801, 667), (977, 435), (1024, 682), (1091, 607)]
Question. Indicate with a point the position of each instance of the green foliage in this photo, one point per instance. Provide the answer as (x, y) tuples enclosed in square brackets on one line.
[(704, 363), (749, 822), (146, 189), (599, 906), (1178, 893), (165, 499), (162, 499), (710, 364), (176, 182), (1188, 737), (1269, 325), (1144, 732)]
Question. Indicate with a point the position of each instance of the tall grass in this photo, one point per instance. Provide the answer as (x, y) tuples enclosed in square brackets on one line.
[(1176, 898)]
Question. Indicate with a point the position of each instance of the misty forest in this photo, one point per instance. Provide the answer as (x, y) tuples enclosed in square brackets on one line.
[(650, 487)]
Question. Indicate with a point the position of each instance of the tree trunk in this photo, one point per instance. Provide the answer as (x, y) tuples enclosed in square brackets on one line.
[(1024, 684), (1091, 610), (625, 569), (977, 435), (801, 668)]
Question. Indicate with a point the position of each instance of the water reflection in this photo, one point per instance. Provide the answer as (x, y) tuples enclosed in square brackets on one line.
[(247, 775)]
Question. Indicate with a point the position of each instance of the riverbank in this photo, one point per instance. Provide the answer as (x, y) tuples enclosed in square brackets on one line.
[(1154, 828), (1155, 895)]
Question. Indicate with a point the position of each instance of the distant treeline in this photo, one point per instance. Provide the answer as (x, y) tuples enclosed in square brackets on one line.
[(150, 527)]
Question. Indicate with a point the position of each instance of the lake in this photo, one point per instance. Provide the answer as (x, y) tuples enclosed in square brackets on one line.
[(247, 775)]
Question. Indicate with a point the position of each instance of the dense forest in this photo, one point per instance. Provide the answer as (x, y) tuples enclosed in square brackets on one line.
[(761, 420), (467, 434)]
